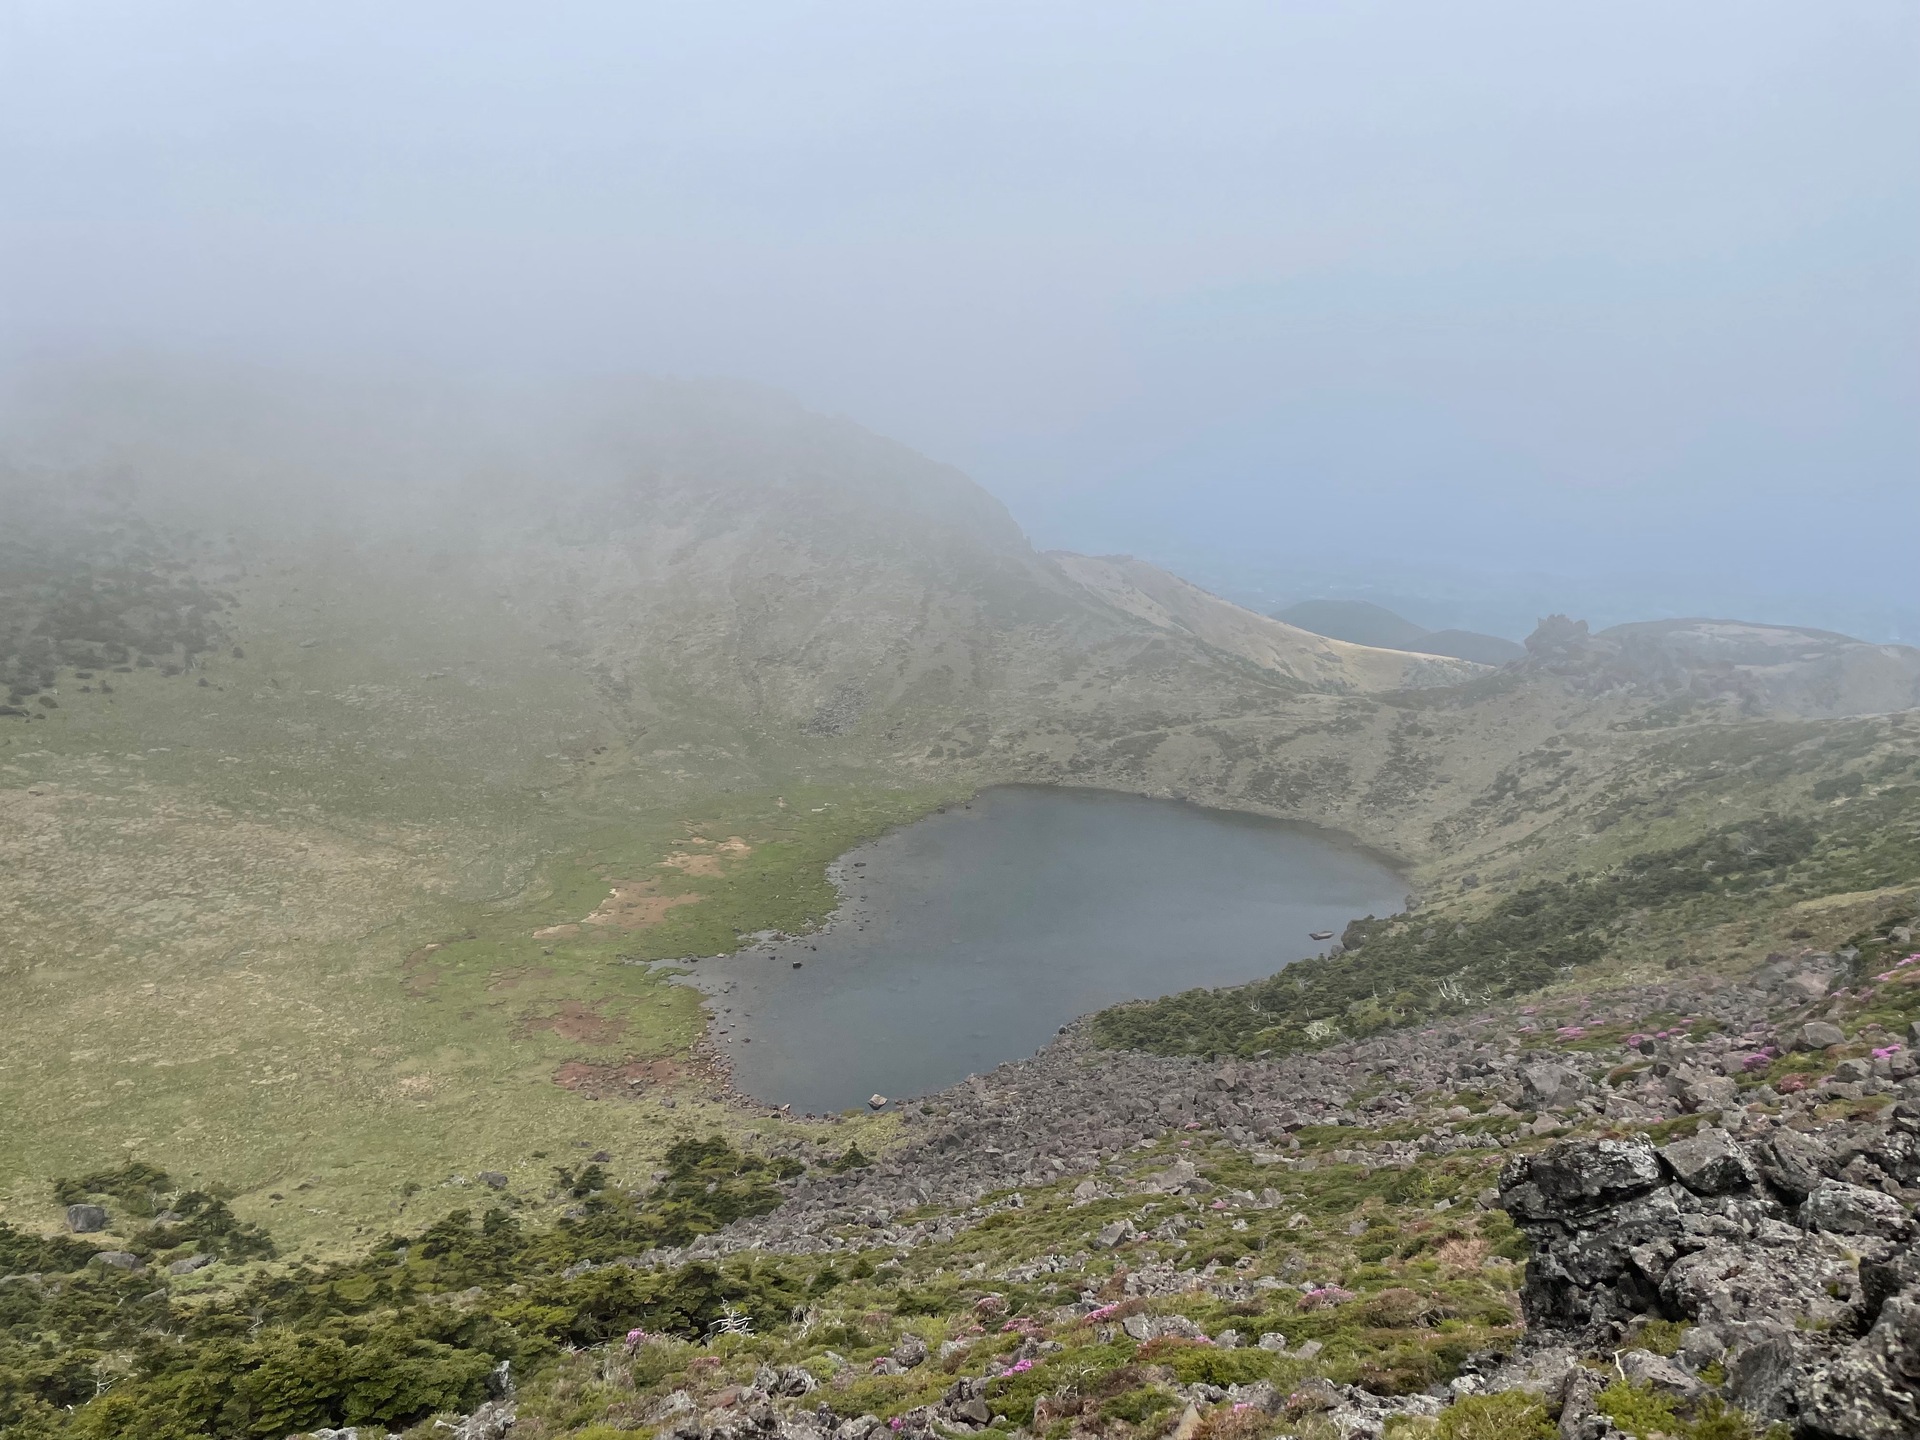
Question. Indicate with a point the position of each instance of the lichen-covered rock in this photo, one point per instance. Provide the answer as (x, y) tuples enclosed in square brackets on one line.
[(1793, 1163), (1819, 1035), (1574, 1177), (1779, 1306), (1843, 1209), (1869, 1391), (1643, 1367), (1761, 1376), (1709, 1163), (1549, 1087)]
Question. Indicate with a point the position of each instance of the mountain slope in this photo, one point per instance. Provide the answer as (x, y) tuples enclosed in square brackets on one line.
[(1172, 604), (360, 712)]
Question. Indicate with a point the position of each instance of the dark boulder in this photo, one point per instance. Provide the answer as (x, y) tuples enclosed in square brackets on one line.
[(86, 1219), (1576, 1177)]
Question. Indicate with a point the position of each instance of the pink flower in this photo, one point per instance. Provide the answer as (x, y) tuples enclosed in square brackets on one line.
[(1103, 1313), (1756, 1062), (1886, 1050)]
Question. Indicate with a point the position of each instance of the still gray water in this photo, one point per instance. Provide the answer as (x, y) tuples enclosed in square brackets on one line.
[(968, 938)]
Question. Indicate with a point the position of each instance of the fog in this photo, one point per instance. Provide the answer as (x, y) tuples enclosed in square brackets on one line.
[(1479, 308)]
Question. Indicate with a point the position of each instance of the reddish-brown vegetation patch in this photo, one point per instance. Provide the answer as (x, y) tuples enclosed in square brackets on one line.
[(609, 1082), (576, 1020)]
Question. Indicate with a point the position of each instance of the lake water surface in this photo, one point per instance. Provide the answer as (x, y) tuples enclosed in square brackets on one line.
[(968, 938)]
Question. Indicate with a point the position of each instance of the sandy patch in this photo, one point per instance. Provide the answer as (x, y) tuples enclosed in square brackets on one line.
[(636, 907), (576, 1020), (708, 861), (630, 905)]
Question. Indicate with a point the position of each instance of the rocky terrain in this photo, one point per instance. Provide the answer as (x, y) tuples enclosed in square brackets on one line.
[(1716, 1220)]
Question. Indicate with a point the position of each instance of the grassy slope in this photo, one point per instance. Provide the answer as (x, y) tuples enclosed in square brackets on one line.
[(213, 892), (1703, 847)]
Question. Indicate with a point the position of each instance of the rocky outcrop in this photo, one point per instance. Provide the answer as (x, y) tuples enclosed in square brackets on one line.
[(1778, 667), (1790, 1254)]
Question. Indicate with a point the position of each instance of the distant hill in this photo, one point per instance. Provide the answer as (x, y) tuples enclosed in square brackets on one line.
[(1764, 669), (1469, 645), (1167, 602), (1361, 622)]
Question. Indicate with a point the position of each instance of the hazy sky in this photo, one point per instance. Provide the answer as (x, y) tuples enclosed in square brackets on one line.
[(1617, 292)]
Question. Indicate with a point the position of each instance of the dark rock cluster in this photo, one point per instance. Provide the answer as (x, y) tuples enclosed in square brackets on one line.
[(1789, 1253)]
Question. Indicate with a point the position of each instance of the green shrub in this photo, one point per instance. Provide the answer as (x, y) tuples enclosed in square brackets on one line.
[(1662, 1337), (1139, 1406), (1407, 966), (1637, 1409), (1510, 1415)]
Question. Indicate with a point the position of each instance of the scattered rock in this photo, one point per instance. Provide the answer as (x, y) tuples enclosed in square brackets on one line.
[(1709, 1163), (1844, 1209), (1550, 1087), (1818, 1035), (86, 1219)]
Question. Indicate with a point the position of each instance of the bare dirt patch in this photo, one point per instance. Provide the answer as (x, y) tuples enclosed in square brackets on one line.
[(613, 1082), (576, 1020), (630, 905), (708, 861), (636, 907)]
